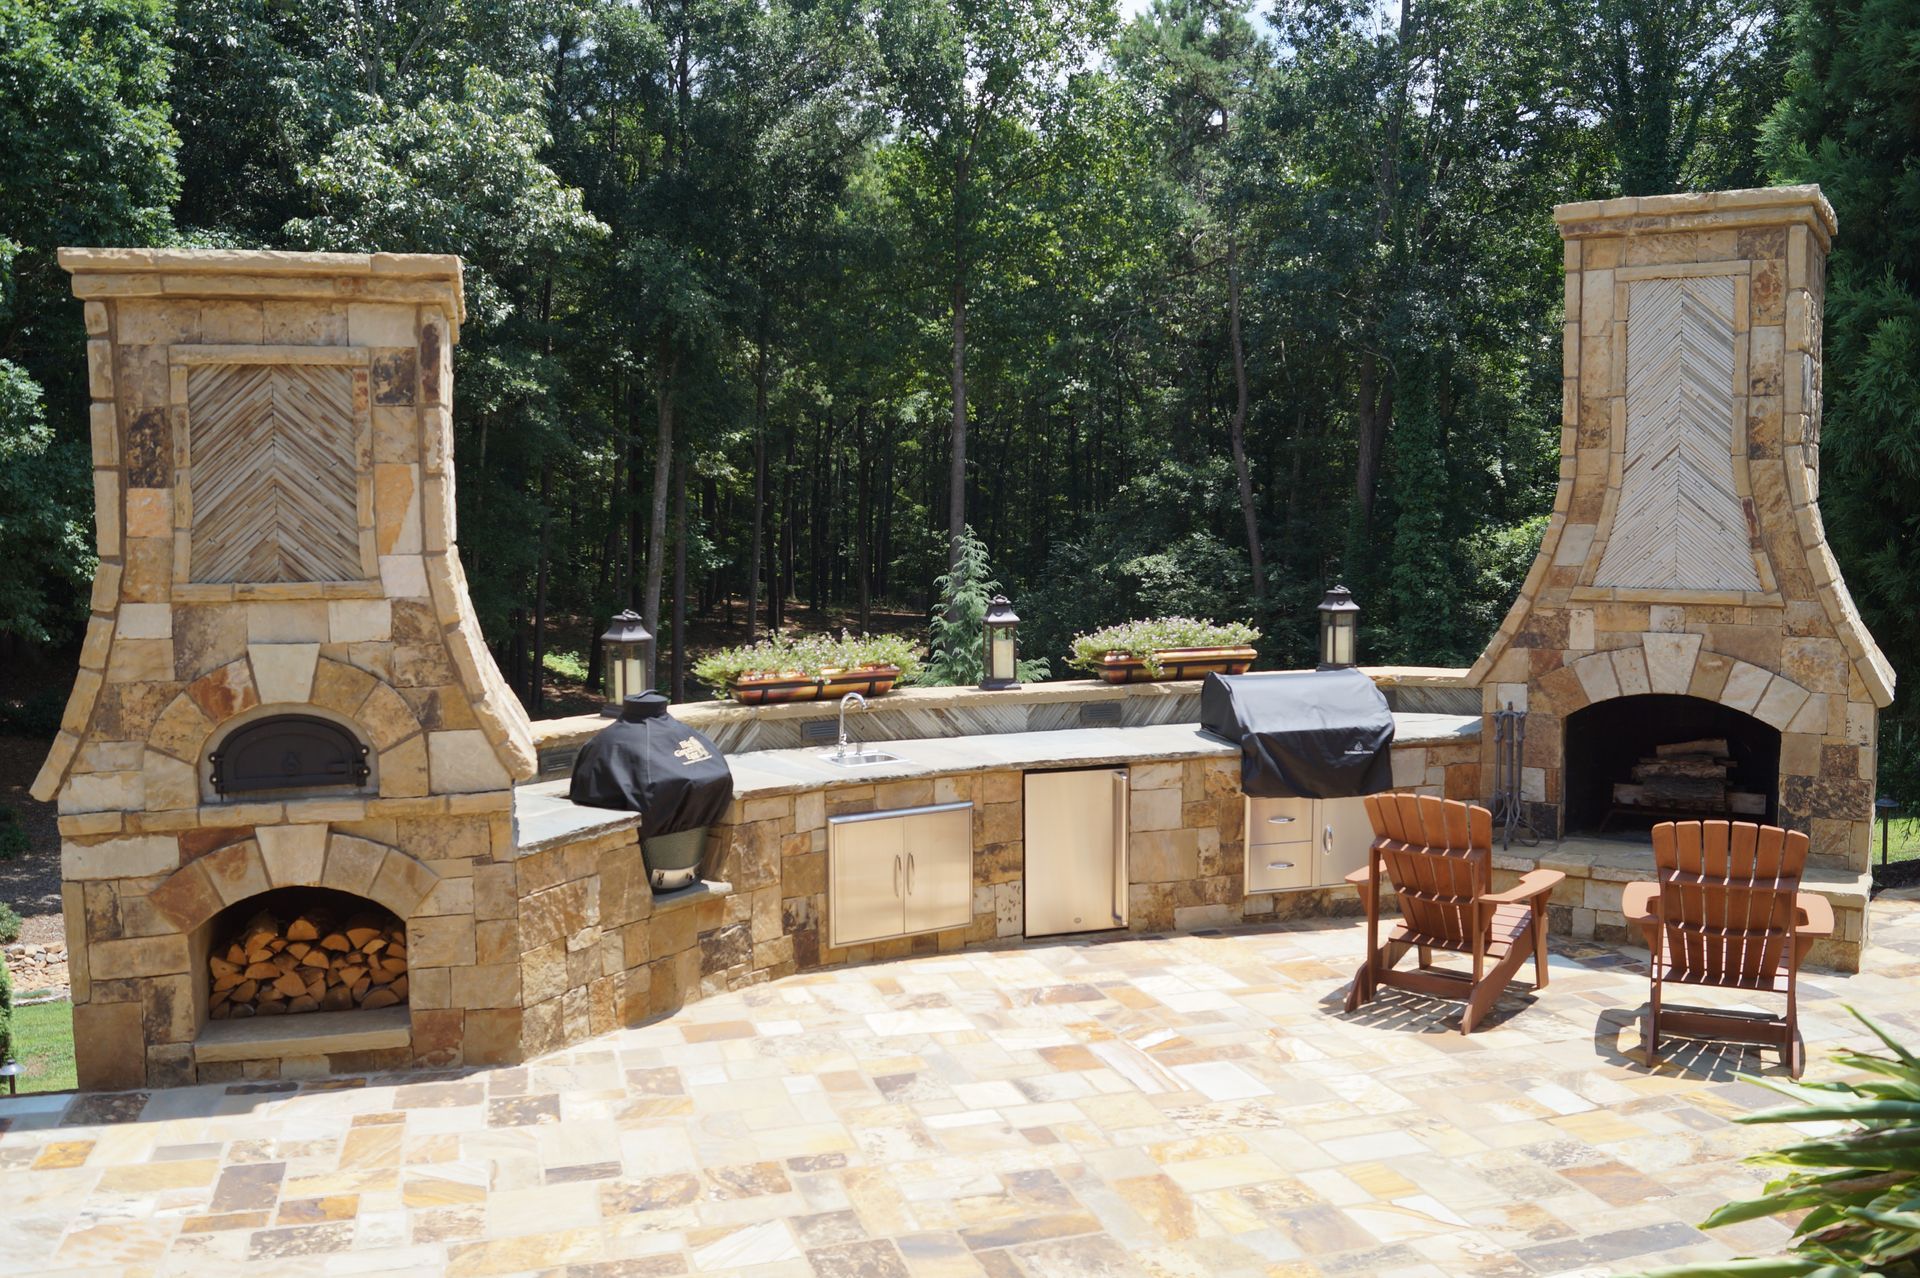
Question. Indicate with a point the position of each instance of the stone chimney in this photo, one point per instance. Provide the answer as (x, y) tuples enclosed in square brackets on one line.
[(283, 684), (1684, 588)]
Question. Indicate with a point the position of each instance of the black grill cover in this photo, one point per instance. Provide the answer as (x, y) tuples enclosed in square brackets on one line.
[(649, 762), (1320, 734)]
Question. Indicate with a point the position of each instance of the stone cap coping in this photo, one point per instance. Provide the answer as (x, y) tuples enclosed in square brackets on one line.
[(308, 1034), (1699, 210), (543, 816), (179, 267), (1617, 861)]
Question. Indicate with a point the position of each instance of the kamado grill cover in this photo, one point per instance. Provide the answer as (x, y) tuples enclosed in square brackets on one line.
[(649, 762), (1321, 734)]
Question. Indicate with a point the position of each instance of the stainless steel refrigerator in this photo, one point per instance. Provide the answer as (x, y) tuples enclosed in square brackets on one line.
[(1076, 851)]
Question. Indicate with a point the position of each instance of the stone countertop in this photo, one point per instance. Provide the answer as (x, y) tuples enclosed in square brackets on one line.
[(707, 714), (543, 815)]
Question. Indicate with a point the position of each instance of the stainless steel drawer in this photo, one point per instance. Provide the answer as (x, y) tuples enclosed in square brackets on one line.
[(1272, 867), (1279, 821)]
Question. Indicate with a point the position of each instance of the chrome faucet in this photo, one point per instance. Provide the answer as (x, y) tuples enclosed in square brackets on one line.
[(840, 751)]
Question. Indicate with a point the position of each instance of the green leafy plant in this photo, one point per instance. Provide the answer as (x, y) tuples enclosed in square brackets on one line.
[(6, 1012), (1859, 1188), (807, 657), (1141, 640), (958, 621), (568, 665), (9, 924)]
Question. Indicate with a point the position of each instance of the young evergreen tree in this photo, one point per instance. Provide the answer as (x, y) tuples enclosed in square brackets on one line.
[(965, 591)]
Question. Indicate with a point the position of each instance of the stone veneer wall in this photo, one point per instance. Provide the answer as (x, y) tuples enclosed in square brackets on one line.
[(1748, 608)]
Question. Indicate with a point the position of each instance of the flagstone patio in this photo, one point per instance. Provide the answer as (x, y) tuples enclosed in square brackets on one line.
[(1182, 1105)]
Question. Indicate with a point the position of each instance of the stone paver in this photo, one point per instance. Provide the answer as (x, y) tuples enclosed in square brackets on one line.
[(1183, 1105)]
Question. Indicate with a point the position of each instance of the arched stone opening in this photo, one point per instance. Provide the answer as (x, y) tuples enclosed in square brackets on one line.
[(1632, 761)]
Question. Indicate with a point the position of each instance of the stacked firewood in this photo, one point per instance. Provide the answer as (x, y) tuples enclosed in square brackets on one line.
[(309, 964), (1688, 776)]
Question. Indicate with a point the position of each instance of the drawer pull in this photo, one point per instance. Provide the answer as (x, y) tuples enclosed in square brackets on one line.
[(1281, 820), (1279, 865)]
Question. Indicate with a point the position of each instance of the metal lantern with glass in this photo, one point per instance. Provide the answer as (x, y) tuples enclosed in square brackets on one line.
[(1339, 629), (628, 649), (999, 669)]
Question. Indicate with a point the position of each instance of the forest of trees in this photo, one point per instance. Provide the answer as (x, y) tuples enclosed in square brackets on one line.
[(1194, 309)]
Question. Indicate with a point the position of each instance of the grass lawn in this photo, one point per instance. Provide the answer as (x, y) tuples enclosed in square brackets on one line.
[(1903, 839), (43, 1044)]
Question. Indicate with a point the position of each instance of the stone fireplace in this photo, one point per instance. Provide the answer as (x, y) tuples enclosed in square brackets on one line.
[(1684, 595), (284, 706)]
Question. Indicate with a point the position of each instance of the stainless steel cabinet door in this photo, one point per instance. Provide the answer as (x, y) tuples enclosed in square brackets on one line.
[(939, 869), (867, 866), (1344, 835), (1076, 844)]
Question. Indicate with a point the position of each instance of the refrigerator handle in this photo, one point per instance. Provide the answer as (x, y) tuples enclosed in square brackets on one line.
[(896, 876), (1120, 817), (909, 874)]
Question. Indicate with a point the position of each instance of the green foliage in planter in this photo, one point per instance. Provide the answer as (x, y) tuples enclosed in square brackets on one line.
[(1860, 1189), (6, 1013), (959, 618), (10, 924), (806, 656), (1142, 639)]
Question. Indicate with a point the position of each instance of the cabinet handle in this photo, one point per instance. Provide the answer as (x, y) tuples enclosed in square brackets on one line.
[(1281, 820), (1122, 797), (1279, 865), (1326, 839), (896, 876), (909, 874)]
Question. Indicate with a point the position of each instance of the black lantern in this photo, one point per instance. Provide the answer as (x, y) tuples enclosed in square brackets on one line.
[(998, 669), (629, 651), (1339, 629)]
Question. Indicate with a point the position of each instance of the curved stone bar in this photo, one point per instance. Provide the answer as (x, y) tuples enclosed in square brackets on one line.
[(762, 914)]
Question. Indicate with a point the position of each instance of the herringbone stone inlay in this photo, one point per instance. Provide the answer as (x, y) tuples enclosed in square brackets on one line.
[(273, 478), (1679, 524)]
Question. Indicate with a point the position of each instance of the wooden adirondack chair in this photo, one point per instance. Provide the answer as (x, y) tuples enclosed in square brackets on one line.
[(1728, 912), (1438, 854)]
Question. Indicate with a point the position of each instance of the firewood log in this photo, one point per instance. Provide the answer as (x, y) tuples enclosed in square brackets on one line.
[(302, 929)]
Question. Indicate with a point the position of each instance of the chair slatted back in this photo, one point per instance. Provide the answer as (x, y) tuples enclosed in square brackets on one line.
[(1727, 893), (1438, 854)]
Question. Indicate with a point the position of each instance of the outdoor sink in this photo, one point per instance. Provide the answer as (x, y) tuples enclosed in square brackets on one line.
[(859, 758)]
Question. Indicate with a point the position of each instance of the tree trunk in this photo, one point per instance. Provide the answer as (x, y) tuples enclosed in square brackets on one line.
[(759, 481), (1243, 472), (537, 702), (957, 468), (1374, 412), (667, 362), (863, 505), (679, 677)]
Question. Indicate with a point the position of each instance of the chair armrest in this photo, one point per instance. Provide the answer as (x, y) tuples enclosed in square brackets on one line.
[(1637, 902), (1533, 883), (1816, 914)]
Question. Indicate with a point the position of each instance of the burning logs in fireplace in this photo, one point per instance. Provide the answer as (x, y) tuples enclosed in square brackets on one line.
[(1688, 776), (310, 963)]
